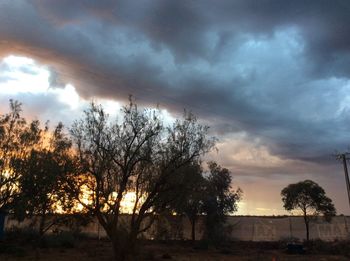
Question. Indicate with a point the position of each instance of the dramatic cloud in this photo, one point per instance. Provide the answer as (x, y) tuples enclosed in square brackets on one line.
[(272, 78)]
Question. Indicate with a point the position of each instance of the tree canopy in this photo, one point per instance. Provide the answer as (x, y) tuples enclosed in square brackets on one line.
[(207, 194), (47, 175), (220, 201), (309, 198), (135, 154), (17, 138), (103, 160)]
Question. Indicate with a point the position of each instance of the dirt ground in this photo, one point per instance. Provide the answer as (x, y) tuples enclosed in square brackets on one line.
[(91, 250)]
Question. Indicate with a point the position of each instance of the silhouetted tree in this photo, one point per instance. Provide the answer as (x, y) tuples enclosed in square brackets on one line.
[(208, 195), (45, 180), (309, 198), (192, 188), (220, 201), (135, 154), (17, 138)]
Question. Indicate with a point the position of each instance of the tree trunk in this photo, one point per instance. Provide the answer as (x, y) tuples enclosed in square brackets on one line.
[(124, 247), (307, 232), (123, 239), (119, 251), (307, 228), (193, 231), (42, 225)]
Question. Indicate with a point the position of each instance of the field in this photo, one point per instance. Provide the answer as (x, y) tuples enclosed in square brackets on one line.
[(93, 249)]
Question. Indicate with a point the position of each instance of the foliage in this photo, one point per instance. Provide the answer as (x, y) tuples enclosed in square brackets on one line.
[(211, 196), (309, 198), (137, 154), (191, 188), (220, 201), (28, 236), (65, 239), (46, 175), (21, 235), (17, 137), (75, 222), (168, 227)]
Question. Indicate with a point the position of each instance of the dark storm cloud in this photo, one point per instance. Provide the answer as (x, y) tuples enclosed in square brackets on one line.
[(183, 25), (278, 70)]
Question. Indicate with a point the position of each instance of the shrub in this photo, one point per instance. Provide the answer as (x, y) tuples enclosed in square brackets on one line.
[(63, 239), (22, 236)]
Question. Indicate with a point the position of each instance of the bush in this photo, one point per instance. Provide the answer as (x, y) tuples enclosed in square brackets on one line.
[(29, 236), (22, 236), (63, 239)]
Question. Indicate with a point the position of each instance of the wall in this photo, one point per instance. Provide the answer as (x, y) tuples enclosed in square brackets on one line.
[(279, 228), (243, 228)]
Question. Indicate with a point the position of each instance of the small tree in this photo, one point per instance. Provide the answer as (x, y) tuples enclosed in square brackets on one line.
[(208, 195), (191, 195), (220, 201), (135, 154), (309, 198)]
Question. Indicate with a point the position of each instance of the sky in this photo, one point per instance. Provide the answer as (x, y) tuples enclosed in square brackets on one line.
[(270, 78)]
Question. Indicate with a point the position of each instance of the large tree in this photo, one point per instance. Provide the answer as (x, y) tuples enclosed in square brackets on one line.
[(309, 198), (134, 154)]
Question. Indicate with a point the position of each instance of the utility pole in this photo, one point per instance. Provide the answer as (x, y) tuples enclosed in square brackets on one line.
[(343, 158)]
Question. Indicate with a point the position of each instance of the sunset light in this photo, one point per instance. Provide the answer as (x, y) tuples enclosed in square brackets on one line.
[(212, 123)]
